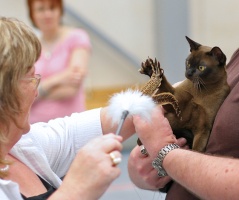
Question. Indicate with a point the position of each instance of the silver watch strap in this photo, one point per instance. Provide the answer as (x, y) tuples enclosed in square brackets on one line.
[(158, 161)]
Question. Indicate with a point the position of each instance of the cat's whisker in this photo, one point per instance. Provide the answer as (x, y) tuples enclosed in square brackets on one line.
[(201, 81), (203, 84), (199, 84), (196, 85)]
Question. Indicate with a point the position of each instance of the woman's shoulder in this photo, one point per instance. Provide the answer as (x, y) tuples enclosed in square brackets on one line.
[(76, 37), (71, 32)]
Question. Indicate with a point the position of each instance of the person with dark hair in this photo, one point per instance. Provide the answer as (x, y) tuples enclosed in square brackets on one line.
[(62, 64)]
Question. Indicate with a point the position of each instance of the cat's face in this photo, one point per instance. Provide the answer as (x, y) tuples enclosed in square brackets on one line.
[(204, 65)]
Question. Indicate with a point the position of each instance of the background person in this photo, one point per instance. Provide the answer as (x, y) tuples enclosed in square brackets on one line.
[(63, 62)]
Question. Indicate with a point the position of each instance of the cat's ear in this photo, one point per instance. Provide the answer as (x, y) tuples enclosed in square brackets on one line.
[(219, 55), (193, 45)]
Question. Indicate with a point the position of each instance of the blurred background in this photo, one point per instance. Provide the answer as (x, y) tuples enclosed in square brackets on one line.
[(125, 33)]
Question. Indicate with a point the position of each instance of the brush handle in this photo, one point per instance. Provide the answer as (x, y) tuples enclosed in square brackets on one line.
[(123, 117)]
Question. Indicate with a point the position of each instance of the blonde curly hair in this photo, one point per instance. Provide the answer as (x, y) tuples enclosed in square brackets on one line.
[(19, 50)]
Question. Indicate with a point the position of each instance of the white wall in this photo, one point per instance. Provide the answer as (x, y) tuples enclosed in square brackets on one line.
[(131, 24), (215, 23), (14, 8)]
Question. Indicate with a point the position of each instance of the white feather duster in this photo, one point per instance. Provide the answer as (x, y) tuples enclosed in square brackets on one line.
[(130, 102)]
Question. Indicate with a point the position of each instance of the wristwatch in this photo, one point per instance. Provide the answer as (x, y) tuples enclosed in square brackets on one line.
[(158, 161)]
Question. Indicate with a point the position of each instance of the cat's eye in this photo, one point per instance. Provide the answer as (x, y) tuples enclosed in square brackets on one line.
[(201, 68), (187, 63)]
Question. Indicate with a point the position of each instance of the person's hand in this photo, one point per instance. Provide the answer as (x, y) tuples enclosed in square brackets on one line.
[(93, 169), (141, 172), (72, 77), (154, 134)]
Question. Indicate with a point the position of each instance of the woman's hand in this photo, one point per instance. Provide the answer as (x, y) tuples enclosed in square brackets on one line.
[(141, 172), (62, 85), (93, 169), (71, 77)]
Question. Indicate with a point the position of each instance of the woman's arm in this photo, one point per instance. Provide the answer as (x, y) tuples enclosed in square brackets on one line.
[(209, 177), (107, 127), (66, 84)]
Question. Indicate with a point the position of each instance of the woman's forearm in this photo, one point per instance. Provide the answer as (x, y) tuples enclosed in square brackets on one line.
[(62, 85), (107, 127), (62, 92), (209, 177)]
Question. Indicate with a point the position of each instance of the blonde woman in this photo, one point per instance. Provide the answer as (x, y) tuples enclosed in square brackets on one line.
[(33, 158)]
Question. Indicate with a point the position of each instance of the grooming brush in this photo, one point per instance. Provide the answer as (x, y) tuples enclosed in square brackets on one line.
[(130, 102)]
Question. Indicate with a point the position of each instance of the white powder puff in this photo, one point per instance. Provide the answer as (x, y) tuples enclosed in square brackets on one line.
[(133, 101)]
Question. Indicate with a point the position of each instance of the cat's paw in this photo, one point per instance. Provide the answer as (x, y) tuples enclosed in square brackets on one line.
[(146, 67), (150, 67)]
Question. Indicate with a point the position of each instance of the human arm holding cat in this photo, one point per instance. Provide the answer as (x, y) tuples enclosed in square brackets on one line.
[(145, 170), (201, 174), (143, 174)]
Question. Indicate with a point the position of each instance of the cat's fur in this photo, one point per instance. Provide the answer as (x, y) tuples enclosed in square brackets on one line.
[(199, 96)]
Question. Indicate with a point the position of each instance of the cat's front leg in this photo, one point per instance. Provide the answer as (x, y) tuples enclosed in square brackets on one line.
[(200, 140), (166, 98)]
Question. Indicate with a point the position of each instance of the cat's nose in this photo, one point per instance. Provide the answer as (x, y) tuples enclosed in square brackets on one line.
[(189, 73)]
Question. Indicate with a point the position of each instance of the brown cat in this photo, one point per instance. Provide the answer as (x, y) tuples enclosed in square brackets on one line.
[(193, 104)]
